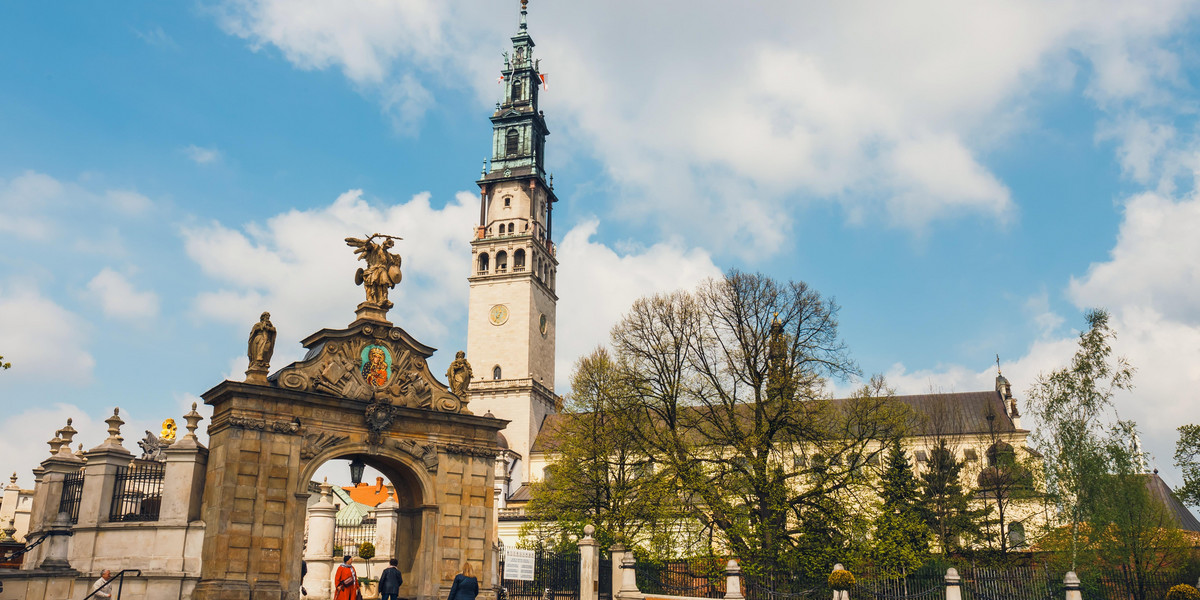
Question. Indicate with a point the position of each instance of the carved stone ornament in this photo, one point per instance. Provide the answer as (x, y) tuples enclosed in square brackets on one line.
[(470, 450), (371, 363), (152, 448), (289, 427), (427, 453), (314, 443), (379, 417)]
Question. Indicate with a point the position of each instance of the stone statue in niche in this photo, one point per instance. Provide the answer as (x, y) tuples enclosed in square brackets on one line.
[(459, 374), (259, 349), (382, 272)]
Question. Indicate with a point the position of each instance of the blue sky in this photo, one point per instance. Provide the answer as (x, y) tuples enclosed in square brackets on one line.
[(965, 180)]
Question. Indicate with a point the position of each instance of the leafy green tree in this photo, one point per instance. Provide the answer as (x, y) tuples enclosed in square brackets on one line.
[(1071, 405), (946, 506), (1134, 533), (599, 476), (901, 540), (1187, 458), (728, 384)]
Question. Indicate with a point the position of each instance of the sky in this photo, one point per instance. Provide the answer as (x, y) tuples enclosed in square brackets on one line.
[(965, 179)]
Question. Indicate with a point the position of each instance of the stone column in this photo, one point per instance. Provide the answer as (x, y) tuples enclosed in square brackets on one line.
[(733, 581), (100, 476), (8, 506), (44, 518), (59, 544), (589, 565), (616, 554), (629, 589), (1071, 583), (183, 477), (953, 584), (387, 518), (840, 594), (318, 553)]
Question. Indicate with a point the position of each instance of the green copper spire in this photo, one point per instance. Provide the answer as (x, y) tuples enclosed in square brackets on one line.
[(518, 127)]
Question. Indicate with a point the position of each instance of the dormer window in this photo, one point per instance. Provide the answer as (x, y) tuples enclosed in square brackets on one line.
[(512, 142)]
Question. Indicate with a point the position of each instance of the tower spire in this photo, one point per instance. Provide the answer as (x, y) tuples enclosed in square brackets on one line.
[(524, 11)]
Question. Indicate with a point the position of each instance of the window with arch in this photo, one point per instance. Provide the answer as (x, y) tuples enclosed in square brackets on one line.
[(496, 372), (516, 90), (501, 261), (507, 201), (512, 143), (511, 228), (519, 260), (483, 262)]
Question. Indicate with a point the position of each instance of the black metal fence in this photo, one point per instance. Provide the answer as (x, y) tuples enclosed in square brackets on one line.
[(353, 535), (698, 578), (606, 578), (555, 577), (786, 586), (137, 492), (72, 493)]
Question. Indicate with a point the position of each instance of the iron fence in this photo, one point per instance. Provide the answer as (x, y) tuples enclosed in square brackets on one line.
[(72, 494), (353, 535), (698, 578), (137, 492), (555, 577), (606, 567), (785, 586)]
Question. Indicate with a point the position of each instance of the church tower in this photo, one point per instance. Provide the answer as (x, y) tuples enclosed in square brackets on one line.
[(511, 311)]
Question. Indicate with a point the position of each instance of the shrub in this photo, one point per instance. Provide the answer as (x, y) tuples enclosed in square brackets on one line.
[(366, 551), (844, 580), (1183, 591)]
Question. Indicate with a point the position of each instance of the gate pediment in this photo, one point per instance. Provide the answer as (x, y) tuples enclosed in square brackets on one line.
[(369, 361)]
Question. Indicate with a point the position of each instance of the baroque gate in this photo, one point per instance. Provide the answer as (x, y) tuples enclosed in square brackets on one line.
[(363, 392)]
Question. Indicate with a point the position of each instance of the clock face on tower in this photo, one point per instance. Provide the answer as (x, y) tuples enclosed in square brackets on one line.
[(498, 315)]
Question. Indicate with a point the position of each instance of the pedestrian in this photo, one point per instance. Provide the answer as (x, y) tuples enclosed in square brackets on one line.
[(346, 581), (465, 586), (390, 581), (102, 588), (303, 574)]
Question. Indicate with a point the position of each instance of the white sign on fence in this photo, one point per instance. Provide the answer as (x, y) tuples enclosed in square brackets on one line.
[(518, 564)]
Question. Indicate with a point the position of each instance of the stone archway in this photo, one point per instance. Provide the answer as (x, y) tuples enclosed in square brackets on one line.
[(361, 391)]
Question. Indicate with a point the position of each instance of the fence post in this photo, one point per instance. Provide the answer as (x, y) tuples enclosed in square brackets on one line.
[(616, 554), (629, 589), (1071, 583), (840, 594), (318, 552), (733, 581), (589, 565), (47, 498), (953, 584)]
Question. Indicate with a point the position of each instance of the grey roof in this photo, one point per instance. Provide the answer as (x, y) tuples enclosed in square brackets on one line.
[(958, 413), (1159, 490), (521, 495)]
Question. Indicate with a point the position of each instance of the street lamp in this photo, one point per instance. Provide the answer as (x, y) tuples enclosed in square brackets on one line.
[(356, 470)]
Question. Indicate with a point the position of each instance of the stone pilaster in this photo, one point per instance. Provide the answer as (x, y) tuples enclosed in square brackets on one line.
[(589, 565), (183, 478), (318, 552), (47, 498), (387, 517)]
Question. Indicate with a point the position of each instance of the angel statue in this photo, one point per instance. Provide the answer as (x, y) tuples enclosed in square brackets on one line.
[(382, 272)]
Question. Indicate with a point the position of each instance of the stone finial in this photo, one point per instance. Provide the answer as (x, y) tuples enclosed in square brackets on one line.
[(9, 530), (12, 482), (79, 454), (114, 428), (66, 433), (325, 489), (55, 443), (193, 419), (588, 530)]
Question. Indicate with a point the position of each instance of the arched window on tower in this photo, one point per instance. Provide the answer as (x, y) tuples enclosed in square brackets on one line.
[(483, 263), (501, 261), (519, 260), (512, 142), (496, 372), (511, 227), (516, 90)]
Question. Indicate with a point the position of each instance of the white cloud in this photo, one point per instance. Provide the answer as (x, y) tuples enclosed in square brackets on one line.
[(129, 202), (297, 266), (42, 340), (201, 155), (119, 299), (597, 285), (886, 108), (23, 203)]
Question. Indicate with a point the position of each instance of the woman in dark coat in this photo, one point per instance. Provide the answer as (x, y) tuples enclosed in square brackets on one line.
[(465, 586)]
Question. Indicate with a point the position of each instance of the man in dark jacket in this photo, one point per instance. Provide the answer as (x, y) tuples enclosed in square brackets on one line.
[(390, 582)]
